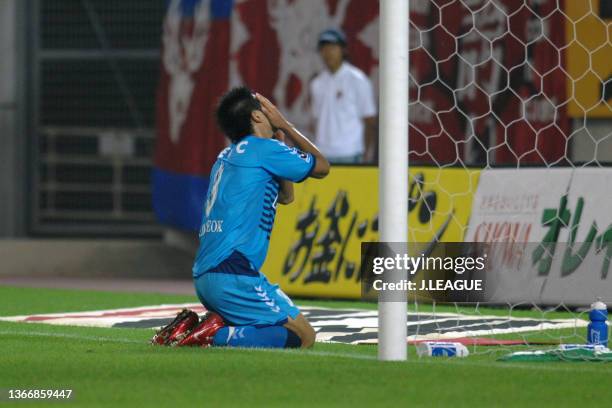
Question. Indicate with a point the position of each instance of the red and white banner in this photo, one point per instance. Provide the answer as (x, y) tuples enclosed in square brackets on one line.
[(482, 73)]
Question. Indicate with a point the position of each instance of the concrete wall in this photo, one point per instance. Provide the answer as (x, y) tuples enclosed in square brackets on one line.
[(13, 145), (94, 259)]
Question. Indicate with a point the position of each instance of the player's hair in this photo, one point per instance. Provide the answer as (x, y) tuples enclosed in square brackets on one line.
[(234, 113)]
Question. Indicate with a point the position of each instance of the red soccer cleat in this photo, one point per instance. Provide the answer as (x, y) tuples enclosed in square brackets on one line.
[(202, 334), (177, 330)]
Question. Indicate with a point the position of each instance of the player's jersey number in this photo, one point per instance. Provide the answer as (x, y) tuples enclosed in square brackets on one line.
[(212, 197)]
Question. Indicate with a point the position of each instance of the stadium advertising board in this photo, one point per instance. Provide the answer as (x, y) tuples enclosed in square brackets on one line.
[(551, 234), (315, 248)]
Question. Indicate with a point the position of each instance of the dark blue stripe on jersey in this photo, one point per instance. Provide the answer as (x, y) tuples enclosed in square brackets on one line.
[(269, 212), (265, 228), (236, 264), (267, 223)]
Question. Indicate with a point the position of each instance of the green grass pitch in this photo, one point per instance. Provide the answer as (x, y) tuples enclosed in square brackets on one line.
[(116, 367)]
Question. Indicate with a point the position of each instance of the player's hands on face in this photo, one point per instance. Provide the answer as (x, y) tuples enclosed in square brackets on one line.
[(276, 118)]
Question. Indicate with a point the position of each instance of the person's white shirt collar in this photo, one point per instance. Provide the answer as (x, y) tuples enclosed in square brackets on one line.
[(340, 69)]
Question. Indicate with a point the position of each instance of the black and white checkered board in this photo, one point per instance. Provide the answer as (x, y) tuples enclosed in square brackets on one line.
[(350, 326)]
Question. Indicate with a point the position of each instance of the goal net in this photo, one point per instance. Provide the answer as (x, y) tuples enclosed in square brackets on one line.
[(513, 100)]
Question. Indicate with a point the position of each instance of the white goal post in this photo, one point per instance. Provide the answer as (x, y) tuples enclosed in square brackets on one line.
[(393, 162), (511, 143)]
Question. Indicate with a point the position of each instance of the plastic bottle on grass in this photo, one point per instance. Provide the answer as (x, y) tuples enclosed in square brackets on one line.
[(441, 349), (597, 330)]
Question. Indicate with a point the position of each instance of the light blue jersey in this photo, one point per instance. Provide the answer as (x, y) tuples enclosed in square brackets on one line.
[(241, 201)]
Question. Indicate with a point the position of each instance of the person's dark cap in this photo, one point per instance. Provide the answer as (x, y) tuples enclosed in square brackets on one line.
[(332, 36)]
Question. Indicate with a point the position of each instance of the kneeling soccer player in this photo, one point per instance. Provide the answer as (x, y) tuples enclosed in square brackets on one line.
[(248, 179)]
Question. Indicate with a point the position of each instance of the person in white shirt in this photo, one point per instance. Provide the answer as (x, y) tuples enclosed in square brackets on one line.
[(343, 105)]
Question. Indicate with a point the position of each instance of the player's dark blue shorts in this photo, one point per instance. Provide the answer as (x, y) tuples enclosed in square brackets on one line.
[(242, 295)]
